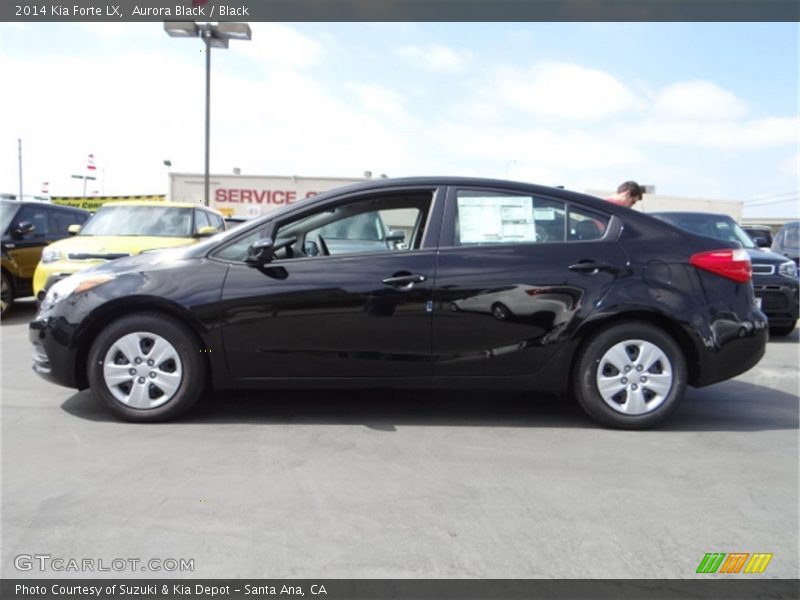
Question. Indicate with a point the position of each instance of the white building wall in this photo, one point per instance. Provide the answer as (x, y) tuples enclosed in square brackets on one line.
[(250, 195), (659, 203)]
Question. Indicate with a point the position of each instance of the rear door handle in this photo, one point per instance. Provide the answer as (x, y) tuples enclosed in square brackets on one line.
[(590, 267), (405, 281)]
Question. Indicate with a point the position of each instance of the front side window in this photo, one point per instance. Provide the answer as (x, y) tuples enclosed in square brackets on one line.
[(200, 220), (371, 225), (63, 219), (378, 224), (159, 221), (36, 215), (215, 221)]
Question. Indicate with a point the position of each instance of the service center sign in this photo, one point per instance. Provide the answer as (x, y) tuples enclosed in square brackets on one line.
[(250, 196)]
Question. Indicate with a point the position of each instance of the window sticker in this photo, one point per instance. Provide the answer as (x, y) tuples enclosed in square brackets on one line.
[(544, 213), (496, 219)]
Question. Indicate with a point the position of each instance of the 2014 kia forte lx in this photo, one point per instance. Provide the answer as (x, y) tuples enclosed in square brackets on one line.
[(424, 282)]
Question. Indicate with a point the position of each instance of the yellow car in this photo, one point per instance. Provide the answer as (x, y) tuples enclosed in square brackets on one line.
[(121, 229)]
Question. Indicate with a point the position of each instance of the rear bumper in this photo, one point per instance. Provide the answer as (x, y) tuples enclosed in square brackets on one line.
[(734, 357)]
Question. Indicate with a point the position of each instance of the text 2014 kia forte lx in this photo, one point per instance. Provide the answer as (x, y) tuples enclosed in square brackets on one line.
[(477, 283)]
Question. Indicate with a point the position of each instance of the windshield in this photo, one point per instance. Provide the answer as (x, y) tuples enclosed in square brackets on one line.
[(159, 221), (791, 237), (7, 212), (719, 227)]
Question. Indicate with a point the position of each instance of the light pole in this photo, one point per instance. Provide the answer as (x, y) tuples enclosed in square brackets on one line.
[(214, 36), (85, 179)]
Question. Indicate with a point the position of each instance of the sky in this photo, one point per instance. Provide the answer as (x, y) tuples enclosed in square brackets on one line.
[(696, 109)]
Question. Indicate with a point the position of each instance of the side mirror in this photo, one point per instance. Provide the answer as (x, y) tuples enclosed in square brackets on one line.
[(311, 249), (74, 228), (207, 231), (396, 236), (262, 251), (761, 242), (23, 228)]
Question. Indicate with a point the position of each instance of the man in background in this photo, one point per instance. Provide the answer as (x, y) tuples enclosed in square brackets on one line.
[(628, 194)]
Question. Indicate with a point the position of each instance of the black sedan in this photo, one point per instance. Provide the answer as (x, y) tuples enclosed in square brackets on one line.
[(774, 276), (484, 284)]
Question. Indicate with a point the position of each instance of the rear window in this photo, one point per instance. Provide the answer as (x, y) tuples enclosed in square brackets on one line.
[(720, 228)]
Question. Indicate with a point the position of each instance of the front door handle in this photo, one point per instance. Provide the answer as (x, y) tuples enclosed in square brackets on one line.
[(590, 267), (404, 281)]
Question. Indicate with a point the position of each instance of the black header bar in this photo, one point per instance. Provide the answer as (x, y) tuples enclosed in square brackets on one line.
[(400, 10)]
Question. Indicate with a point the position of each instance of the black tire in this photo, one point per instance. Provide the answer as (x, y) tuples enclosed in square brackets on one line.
[(183, 373), (6, 294), (782, 330), (500, 311), (632, 340)]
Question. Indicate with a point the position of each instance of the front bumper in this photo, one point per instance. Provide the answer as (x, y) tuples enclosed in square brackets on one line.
[(780, 301), (54, 356)]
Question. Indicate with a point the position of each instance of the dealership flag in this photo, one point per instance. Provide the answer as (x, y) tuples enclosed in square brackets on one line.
[(45, 185), (91, 166)]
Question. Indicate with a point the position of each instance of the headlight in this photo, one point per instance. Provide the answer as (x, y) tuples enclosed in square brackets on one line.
[(788, 269), (51, 255), (74, 284)]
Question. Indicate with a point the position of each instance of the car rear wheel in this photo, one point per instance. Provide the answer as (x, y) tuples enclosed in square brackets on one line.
[(6, 293), (631, 375), (146, 367)]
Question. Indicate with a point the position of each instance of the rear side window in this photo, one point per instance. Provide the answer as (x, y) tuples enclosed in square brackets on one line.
[(499, 218)]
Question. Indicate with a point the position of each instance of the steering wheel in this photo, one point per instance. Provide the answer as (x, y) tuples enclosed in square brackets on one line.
[(323, 247)]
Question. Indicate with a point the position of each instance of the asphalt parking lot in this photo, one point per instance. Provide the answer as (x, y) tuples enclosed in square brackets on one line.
[(382, 484)]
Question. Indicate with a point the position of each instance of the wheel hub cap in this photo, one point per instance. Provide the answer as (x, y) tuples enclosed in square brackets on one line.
[(142, 370), (634, 377)]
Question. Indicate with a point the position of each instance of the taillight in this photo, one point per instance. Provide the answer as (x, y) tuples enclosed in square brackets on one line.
[(731, 263)]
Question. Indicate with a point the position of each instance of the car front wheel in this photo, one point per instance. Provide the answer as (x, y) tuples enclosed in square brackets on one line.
[(6, 293), (630, 375), (146, 367)]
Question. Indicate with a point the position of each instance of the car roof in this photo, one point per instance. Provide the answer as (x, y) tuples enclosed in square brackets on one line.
[(376, 185), (157, 203), (41, 203), (690, 213)]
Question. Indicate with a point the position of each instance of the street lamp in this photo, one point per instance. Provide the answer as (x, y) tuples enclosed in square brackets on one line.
[(214, 36), (85, 179)]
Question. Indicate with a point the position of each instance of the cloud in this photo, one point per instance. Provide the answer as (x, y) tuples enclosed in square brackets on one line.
[(729, 135), (790, 166), (546, 149), (274, 44), (698, 100), (436, 57), (566, 91), (379, 100)]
